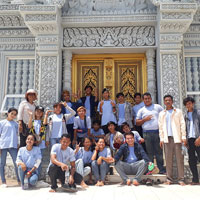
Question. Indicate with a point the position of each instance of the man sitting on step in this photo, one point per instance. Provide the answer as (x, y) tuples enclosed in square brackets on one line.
[(134, 160)]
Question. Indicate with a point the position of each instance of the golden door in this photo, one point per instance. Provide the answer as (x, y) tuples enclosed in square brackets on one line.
[(125, 73)]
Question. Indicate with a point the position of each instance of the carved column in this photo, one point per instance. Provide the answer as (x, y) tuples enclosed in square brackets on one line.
[(44, 23), (67, 58), (174, 20), (151, 71)]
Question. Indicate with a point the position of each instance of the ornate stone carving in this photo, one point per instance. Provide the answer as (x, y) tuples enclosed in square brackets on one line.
[(106, 7), (37, 8), (109, 36), (67, 57), (9, 7), (175, 15), (16, 47), (170, 76), (40, 17), (48, 80), (11, 20), (151, 73), (37, 72), (15, 33), (43, 28)]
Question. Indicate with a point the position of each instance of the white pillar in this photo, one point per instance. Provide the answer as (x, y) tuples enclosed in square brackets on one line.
[(67, 58), (151, 73)]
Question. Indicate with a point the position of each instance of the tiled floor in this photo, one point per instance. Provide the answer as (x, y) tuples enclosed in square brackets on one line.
[(110, 192)]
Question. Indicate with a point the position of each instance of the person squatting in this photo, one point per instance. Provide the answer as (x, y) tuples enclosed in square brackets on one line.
[(89, 136)]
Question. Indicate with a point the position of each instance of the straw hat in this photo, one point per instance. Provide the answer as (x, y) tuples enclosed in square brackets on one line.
[(30, 91)]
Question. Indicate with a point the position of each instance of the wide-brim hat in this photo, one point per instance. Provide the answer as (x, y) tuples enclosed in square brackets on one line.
[(30, 91)]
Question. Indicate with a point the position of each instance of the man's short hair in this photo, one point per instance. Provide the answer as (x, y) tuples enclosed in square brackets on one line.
[(187, 99), (88, 86), (168, 96), (119, 94), (66, 136), (130, 133), (124, 124), (137, 94), (111, 122), (146, 94)]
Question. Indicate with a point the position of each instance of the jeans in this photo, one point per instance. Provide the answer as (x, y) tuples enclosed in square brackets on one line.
[(54, 141), (13, 153), (55, 172), (100, 171), (192, 152), (137, 168), (152, 142), (31, 180), (83, 171), (40, 167)]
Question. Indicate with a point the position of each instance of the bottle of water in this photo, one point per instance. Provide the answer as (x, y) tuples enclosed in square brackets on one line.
[(184, 150), (26, 183)]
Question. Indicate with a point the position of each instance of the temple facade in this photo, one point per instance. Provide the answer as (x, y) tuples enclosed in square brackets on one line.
[(125, 45)]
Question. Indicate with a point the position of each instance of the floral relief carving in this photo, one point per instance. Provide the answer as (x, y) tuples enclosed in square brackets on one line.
[(109, 36), (48, 80), (171, 76), (11, 20)]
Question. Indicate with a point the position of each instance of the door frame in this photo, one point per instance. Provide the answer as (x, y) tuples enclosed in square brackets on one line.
[(118, 57)]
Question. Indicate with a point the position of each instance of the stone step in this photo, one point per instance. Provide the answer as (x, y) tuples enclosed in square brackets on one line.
[(155, 177)]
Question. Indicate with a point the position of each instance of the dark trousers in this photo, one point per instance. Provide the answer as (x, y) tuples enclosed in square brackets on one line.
[(55, 172), (152, 142), (22, 140), (70, 131), (105, 129), (192, 150), (140, 131)]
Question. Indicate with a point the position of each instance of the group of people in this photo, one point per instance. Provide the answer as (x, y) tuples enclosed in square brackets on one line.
[(129, 138)]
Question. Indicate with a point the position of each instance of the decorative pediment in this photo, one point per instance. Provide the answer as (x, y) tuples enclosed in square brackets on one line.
[(106, 7)]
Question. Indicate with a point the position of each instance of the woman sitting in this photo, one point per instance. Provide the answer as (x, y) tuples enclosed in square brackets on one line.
[(28, 161), (101, 159), (83, 160)]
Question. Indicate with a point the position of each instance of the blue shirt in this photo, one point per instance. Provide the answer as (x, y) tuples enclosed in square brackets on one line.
[(105, 153), (37, 125), (136, 108), (8, 134), (121, 113), (112, 141), (168, 122), (79, 124), (87, 105), (107, 112), (191, 131), (97, 133), (70, 120), (65, 156), (57, 126), (131, 157), (153, 109), (29, 158), (84, 155)]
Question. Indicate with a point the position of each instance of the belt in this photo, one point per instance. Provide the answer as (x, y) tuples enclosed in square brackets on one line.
[(151, 131)]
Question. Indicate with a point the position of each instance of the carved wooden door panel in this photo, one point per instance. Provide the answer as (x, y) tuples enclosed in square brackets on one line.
[(119, 73)]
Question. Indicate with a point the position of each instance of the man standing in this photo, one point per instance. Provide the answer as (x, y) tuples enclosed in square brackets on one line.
[(123, 111), (134, 160), (62, 162), (138, 104), (172, 134), (147, 117), (89, 102), (192, 120)]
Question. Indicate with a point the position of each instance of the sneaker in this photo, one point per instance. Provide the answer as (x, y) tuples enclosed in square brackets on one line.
[(149, 182), (26, 185), (4, 185), (73, 187), (68, 188)]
